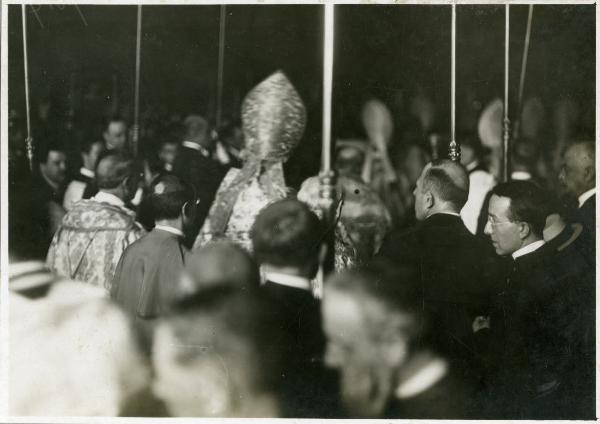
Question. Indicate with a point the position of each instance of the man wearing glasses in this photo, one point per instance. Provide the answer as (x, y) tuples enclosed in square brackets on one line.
[(534, 320)]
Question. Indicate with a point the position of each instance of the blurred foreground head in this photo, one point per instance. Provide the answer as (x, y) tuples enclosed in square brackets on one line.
[(578, 171), (372, 321), (211, 357), (219, 264)]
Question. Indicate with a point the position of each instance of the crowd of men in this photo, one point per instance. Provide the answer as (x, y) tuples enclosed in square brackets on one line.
[(194, 285)]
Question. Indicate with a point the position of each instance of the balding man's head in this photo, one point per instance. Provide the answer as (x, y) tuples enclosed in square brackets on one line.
[(578, 172), (442, 187), (219, 264), (112, 170)]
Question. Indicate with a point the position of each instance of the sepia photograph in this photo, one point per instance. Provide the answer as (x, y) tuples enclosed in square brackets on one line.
[(316, 210)]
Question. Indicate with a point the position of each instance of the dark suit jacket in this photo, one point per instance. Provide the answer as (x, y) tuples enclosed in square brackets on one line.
[(307, 388), (586, 214), (540, 324), (206, 176), (456, 272)]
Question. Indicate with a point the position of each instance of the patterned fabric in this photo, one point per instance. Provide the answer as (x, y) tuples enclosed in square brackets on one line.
[(273, 121), (90, 241), (249, 203)]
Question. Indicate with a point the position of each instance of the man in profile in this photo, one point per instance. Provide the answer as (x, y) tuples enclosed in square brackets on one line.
[(95, 232), (455, 269), (286, 241), (536, 319)]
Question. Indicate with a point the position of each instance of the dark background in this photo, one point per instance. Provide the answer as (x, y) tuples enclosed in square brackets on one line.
[(386, 51)]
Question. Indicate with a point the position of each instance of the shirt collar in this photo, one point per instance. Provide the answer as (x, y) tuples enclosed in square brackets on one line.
[(520, 176), (582, 199), (426, 378), (471, 166), (111, 199), (86, 172), (169, 229), (197, 147), (532, 247), (288, 280), (51, 183)]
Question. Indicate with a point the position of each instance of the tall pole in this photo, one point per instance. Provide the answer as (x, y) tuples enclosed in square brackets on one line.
[(29, 139), (136, 104), (327, 193), (506, 126), (222, 23), (454, 148), (516, 129)]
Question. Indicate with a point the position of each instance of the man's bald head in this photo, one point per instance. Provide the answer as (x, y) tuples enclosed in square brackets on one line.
[(112, 170), (219, 264), (442, 187), (578, 173)]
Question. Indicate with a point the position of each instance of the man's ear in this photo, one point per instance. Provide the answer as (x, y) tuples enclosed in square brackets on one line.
[(524, 230), (428, 199), (589, 175)]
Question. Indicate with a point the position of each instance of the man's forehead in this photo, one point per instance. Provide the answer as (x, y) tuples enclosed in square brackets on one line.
[(56, 155), (116, 125), (499, 204)]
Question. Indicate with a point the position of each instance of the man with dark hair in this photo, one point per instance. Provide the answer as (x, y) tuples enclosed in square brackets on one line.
[(47, 193), (147, 274), (455, 268), (115, 135), (531, 322), (377, 339), (95, 232), (286, 241), (212, 357), (90, 152)]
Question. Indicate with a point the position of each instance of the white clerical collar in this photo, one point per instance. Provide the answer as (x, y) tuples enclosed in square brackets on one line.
[(86, 172), (288, 280), (445, 213), (109, 198), (169, 229), (425, 378), (520, 176), (471, 166), (532, 247), (582, 199), (197, 147)]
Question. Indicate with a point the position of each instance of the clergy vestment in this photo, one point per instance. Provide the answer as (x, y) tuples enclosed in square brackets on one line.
[(91, 239), (147, 274)]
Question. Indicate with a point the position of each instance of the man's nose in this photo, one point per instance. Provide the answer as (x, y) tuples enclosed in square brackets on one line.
[(487, 230)]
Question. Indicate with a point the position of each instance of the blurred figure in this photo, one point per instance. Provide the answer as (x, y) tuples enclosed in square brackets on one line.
[(94, 233), (578, 177), (194, 165), (145, 277), (456, 269), (90, 152), (73, 353), (349, 158), (274, 118), (377, 339), (115, 135), (533, 310), (286, 240), (229, 149), (167, 155), (219, 264), (480, 180), (212, 358), (47, 192)]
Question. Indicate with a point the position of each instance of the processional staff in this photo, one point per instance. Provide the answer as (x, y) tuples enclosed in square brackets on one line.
[(136, 104), (327, 193), (517, 126), (29, 139), (506, 123), (454, 147), (221, 64)]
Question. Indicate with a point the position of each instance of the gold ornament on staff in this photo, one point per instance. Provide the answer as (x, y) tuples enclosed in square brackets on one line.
[(29, 139), (454, 147), (506, 121)]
